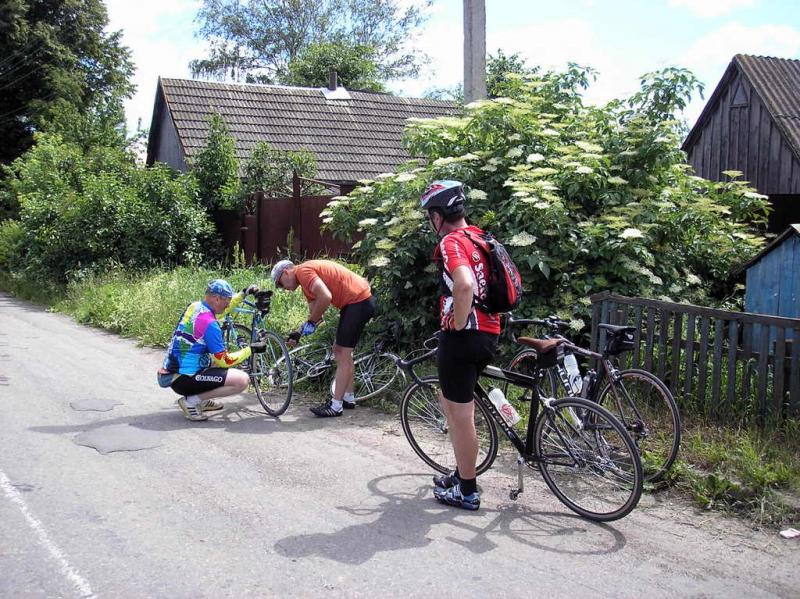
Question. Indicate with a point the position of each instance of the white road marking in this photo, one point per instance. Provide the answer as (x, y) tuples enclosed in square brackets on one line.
[(72, 575)]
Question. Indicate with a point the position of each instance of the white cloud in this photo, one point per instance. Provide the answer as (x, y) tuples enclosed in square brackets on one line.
[(160, 36), (550, 44), (709, 56), (712, 8), (718, 47)]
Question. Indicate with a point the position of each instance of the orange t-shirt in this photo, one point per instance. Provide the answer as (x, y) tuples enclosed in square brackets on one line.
[(346, 287)]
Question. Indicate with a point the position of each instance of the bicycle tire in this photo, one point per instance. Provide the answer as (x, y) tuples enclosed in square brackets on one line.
[(373, 374), (271, 374), (425, 427), (524, 362), (657, 434), (581, 443), (238, 337)]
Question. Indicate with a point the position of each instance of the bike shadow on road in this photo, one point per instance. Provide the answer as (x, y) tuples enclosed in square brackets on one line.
[(408, 517)]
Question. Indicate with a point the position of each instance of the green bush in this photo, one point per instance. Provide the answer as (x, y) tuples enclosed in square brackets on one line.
[(11, 240), (585, 198), (217, 168), (88, 209)]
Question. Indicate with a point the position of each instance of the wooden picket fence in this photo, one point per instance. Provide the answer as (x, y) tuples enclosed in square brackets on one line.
[(725, 365)]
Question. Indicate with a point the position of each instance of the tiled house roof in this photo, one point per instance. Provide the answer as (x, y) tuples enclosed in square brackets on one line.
[(354, 138)]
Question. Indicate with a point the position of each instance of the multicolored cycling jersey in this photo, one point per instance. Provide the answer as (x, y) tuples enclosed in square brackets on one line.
[(455, 250), (197, 342)]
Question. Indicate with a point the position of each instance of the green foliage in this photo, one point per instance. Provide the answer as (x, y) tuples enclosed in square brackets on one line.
[(146, 305), (270, 170), (84, 209), (356, 66), (216, 168), (76, 64), (11, 243), (258, 40), (586, 199)]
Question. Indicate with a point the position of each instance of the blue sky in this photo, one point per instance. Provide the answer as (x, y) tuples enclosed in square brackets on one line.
[(622, 39)]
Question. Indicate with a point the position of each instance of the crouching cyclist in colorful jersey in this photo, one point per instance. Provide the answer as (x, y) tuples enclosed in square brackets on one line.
[(468, 338), (197, 364)]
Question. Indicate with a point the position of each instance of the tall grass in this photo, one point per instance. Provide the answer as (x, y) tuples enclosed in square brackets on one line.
[(146, 306)]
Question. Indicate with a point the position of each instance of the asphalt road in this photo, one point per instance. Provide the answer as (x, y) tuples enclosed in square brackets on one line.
[(249, 506)]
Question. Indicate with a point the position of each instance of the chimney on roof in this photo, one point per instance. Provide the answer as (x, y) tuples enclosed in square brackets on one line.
[(333, 82)]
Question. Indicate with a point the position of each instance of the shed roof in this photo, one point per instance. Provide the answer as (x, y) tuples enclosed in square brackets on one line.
[(776, 81), (792, 230), (353, 138)]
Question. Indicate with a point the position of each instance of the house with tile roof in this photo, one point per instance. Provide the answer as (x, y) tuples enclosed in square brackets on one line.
[(751, 123), (353, 134)]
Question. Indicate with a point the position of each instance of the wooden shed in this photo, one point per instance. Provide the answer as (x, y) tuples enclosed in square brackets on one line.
[(773, 277), (751, 123)]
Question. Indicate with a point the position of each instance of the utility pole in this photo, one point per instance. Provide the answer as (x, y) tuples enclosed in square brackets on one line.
[(474, 50)]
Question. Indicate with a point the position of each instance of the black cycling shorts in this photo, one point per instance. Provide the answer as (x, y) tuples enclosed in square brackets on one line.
[(203, 381), (352, 320), (461, 357)]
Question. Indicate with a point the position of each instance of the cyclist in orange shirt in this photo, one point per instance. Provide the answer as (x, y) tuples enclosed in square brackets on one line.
[(326, 283)]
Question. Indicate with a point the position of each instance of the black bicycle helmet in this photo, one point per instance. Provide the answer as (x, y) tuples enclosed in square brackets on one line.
[(448, 196)]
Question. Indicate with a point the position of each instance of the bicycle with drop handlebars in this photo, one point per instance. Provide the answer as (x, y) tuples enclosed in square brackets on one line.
[(640, 400), (584, 454)]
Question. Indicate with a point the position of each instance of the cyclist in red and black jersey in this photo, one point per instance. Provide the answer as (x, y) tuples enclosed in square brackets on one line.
[(468, 338)]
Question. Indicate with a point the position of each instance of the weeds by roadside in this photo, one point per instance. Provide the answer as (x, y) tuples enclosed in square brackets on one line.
[(753, 473)]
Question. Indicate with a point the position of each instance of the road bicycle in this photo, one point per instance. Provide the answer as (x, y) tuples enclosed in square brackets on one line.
[(270, 372), (374, 370), (584, 454), (641, 401)]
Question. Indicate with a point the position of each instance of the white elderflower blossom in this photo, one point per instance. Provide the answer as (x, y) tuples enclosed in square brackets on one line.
[(693, 279), (403, 177), (477, 194), (535, 157), (368, 222), (522, 239), (379, 261), (617, 180), (584, 170), (631, 233), (514, 152)]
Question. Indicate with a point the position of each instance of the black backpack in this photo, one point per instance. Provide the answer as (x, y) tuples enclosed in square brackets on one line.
[(504, 286)]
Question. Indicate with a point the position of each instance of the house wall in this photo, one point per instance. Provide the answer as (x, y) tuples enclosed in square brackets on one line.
[(168, 148), (745, 138), (773, 283)]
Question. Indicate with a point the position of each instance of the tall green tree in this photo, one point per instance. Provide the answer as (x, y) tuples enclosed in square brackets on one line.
[(217, 168), (56, 59), (257, 40), (356, 66)]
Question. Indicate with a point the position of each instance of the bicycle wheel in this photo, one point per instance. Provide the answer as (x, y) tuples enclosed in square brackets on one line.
[(309, 361), (548, 386), (373, 374), (589, 462), (425, 427), (647, 410), (271, 374), (236, 338)]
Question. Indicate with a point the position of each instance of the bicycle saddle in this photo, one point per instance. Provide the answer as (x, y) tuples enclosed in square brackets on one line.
[(542, 346), (616, 329)]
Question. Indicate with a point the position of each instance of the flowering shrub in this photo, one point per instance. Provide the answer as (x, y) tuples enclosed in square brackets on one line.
[(585, 199)]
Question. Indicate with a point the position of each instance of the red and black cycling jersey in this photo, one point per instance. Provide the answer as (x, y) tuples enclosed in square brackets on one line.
[(455, 250)]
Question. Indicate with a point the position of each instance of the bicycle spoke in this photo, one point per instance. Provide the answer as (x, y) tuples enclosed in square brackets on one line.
[(594, 469)]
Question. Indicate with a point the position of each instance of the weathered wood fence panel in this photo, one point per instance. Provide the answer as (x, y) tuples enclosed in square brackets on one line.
[(718, 363)]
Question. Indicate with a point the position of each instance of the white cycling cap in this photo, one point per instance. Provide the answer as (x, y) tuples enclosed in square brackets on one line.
[(278, 269)]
